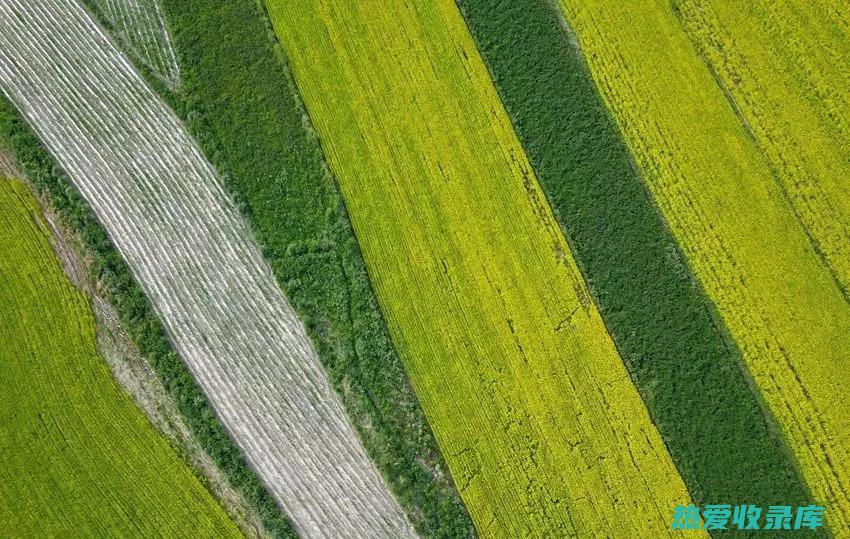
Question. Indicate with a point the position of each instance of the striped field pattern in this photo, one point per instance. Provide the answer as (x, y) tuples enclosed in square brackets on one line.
[(678, 353), (719, 196), (167, 214), (437, 268), (540, 424)]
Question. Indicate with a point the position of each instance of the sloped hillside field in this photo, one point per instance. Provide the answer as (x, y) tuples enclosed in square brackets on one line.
[(93, 465), (781, 304), (540, 424), (167, 214)]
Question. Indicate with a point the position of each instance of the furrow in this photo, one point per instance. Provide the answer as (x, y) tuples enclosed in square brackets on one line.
[(168, 215)]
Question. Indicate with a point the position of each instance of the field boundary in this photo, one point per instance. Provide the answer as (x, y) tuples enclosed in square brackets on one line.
[(676, 348), (342, 317), (137, 317)]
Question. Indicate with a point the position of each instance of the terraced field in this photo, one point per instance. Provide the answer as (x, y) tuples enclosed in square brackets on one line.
[(783, 64), (741, 236), (538, 419), (141, 25), (167, 214), (689, 373), (93, 464)]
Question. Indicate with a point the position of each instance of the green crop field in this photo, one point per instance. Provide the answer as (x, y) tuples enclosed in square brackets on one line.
[(238, 99), (687, 369), (427, 268), (530, 402), (77, 458), (717, 193)]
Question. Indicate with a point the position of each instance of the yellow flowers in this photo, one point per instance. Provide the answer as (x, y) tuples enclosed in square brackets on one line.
[(537, 417), (718, 194)]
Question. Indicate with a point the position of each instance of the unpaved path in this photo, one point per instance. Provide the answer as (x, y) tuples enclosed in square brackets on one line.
[(168, 215)]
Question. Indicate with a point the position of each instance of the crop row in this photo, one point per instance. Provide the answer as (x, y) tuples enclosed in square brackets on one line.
[(140, 25), (272, 164), (165, 209), (539, 422), (781, 64), (688, 371)]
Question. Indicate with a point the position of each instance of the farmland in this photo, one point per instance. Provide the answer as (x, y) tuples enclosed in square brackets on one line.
[(739, 233), (536, 415), (781, 63), (126, 315), (140, 24), (238, 100), (200, 268), (93, 464), (424, 268), (687, 370)]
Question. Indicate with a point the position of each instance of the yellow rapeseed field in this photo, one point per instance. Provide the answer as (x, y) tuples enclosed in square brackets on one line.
[(541, 426), (77, 457), (740, 234), (784, 63)]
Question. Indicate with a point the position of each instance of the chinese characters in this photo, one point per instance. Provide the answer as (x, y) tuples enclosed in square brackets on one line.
[(747, 517)]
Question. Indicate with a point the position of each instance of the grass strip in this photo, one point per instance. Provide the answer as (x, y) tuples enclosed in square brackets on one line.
[(539, 421), (729, 215), (238, 100)]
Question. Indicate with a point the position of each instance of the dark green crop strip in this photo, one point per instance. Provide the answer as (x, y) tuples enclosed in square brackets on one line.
[(685, 365)]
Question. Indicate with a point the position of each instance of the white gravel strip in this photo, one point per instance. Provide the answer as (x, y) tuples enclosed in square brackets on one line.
[(166, 211)]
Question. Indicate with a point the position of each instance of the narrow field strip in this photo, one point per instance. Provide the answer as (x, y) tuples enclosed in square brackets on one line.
[(168, 216), (740, 235), (688, 371), (76, 455), (540, 424), (784, 65), (141, 25)]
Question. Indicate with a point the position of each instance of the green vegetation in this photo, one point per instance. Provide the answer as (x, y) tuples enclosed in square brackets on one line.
[(77, 456), (238, 100), (678, 353), (538, 419), (137, 316), (743, 242)]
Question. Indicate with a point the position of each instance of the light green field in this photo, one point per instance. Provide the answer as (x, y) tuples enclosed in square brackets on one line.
[(717, 192), (540, 424), (77, 458)]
